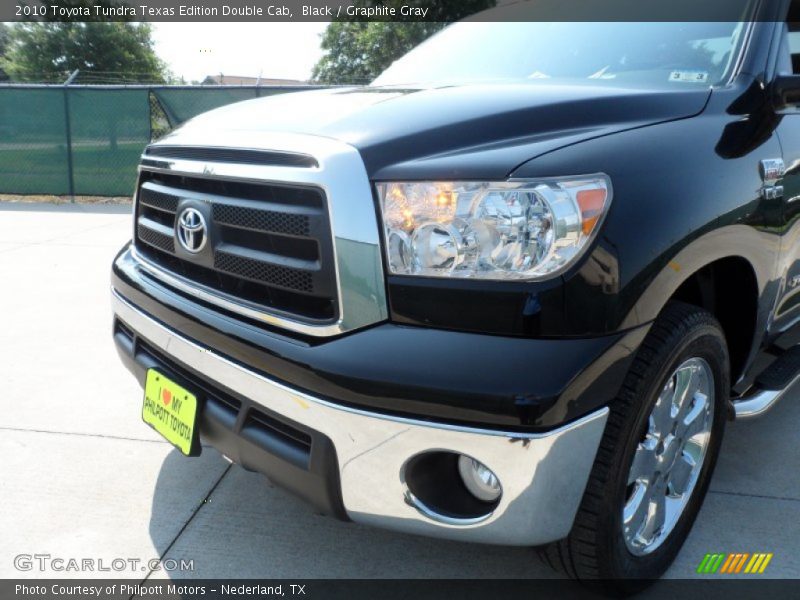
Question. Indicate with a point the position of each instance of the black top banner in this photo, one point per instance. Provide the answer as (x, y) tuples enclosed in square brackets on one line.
[(387, 10)]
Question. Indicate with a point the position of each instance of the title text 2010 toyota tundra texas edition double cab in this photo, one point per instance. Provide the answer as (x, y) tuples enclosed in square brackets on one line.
[(509, 293)]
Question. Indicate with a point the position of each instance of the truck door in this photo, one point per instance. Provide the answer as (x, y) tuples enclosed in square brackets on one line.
[(782, 187)]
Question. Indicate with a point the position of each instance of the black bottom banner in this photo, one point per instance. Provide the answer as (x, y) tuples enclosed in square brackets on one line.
[(319, 589)]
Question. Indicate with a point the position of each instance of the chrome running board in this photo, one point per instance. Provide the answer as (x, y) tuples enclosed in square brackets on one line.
[(756, 405), (761, 401), (771, 385)]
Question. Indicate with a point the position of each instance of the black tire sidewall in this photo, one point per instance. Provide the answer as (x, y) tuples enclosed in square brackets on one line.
[(707, 342)]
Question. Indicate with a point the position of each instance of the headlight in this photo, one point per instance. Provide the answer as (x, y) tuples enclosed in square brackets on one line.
[(491, 230)]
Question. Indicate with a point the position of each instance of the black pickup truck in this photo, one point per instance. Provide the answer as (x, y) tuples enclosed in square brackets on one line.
[(509, 293)]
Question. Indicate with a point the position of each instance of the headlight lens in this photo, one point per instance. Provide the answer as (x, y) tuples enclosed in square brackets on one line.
[(490, 230)]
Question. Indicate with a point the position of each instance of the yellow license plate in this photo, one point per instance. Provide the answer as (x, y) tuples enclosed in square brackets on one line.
[(172, 411)]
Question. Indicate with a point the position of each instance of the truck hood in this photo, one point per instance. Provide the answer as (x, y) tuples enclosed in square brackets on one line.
[(471, 131)]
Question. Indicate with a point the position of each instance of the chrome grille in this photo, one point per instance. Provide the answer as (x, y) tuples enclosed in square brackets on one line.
[(269, 245)]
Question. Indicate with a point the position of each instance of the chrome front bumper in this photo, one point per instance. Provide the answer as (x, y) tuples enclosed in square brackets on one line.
[(543, 475)]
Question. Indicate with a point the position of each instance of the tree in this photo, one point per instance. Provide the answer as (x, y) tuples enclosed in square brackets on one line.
[(3, 45), (358, 51), (105, 52)]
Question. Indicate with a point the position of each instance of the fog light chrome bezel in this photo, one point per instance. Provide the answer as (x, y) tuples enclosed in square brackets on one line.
[(435, 488)]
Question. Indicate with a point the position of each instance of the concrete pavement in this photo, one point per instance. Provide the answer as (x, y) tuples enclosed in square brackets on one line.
[(83, 477)]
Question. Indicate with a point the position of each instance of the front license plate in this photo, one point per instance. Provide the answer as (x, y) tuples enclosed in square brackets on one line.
[(171, 410)]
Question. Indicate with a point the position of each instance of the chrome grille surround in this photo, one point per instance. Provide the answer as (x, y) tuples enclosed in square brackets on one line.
[(339, 173)]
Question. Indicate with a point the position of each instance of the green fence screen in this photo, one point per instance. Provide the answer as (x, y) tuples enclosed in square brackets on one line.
[(33, 142), (86, 140), (110, 128)]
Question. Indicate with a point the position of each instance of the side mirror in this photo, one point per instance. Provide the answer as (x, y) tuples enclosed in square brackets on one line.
[(786, 91)]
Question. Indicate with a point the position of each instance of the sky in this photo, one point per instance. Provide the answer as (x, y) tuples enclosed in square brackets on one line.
[(279, 50)]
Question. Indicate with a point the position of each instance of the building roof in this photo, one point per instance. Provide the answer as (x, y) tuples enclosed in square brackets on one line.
[(241, 80)]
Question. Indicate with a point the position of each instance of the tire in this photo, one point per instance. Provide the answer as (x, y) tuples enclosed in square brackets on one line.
[(596, 551)]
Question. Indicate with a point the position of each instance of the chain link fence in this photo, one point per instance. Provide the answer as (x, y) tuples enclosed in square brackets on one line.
[(86, 140)]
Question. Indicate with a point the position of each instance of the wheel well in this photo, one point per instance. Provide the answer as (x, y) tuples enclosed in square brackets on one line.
[(728, 289)]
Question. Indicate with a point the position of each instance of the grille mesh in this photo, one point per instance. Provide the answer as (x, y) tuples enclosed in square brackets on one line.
[(262, 220), (284, 277), (159, 200), (157, 239)]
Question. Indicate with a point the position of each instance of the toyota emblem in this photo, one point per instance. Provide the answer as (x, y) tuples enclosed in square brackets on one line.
[(192, 231)]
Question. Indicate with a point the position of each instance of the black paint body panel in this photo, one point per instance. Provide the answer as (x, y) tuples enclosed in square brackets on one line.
[(497, 382), (684, 166)]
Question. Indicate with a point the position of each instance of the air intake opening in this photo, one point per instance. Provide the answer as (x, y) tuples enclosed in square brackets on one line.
[(278, 438)]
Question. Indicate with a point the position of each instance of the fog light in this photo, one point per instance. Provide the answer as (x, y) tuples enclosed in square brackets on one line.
[(479, 479)]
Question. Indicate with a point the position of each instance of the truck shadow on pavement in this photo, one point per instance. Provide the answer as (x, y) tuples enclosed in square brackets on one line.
[(235, 524)]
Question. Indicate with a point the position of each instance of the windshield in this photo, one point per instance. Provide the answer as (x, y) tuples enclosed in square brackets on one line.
[(651, 54)]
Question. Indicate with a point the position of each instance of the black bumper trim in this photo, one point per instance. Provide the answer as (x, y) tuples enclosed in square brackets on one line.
[(294, 457)]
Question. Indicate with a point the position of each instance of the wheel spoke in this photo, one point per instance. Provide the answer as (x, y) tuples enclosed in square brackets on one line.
[(686, 386), (681, 473), (661, 419), (636, 509), (644, 462), (655, 517), (695, 420)]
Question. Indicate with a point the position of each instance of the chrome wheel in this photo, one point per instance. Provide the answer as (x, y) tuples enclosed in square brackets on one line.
[(668, 460)]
